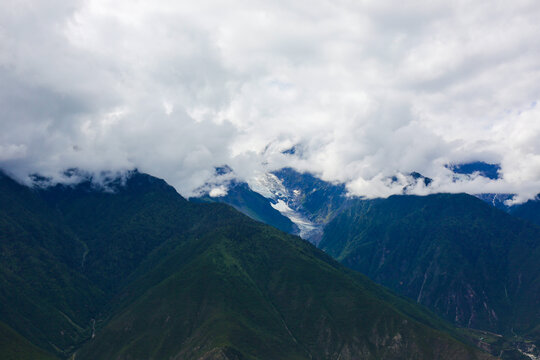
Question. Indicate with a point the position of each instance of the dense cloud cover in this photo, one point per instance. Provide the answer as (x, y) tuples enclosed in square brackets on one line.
[(366, 90)]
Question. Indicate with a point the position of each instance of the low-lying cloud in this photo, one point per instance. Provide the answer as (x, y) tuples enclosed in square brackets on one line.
[(365, 90)]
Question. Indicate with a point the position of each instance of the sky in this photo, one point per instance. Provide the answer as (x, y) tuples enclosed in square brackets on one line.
[(363, 90)]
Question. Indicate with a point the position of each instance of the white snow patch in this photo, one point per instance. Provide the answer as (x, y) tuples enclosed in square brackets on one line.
[(268, 185), (305, 226)]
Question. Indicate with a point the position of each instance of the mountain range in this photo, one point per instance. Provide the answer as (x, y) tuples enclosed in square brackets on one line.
[(129, 269), (473, 262), (310, 203)]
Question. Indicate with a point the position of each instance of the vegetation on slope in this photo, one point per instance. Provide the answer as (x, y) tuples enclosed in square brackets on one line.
[(473, 264), (15, 347), (529, 211), (248, 289), (160, 277), (42, 294)]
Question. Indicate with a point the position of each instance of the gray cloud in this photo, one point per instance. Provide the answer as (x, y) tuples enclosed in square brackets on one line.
[(367, 90)]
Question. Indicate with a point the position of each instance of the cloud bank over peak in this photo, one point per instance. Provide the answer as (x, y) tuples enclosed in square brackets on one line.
[(364, 91)]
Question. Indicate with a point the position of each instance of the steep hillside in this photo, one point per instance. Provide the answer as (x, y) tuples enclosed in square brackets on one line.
[(241, 290), (473, 264)]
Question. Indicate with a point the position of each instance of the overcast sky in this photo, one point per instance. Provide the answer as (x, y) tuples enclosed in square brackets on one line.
[(365, 89)]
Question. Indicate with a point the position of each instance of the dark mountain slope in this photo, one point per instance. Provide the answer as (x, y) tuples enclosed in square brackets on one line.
[(66, 250), (15, 347), (164, 278), (42, 295), (529, 211), (121, 223), (239, 289), (471, 263)]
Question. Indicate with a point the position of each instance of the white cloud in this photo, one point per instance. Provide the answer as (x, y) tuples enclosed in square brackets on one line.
[(218, 192), (367, 89)]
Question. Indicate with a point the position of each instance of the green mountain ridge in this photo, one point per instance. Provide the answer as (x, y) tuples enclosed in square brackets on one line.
[(529, 210), (43, 295), (252, 296), (473, 264), (160, 277)]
